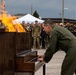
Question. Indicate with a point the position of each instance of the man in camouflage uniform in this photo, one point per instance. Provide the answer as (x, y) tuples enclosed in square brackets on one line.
[(36, 35)]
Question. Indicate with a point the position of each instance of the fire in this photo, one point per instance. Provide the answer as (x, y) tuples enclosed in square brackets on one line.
[(7, 20), (10, 25)]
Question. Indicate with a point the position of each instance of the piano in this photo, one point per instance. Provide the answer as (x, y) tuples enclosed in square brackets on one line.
[(16, 56)]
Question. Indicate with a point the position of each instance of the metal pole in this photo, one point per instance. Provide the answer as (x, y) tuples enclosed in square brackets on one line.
[(31, 9), (63, 12)]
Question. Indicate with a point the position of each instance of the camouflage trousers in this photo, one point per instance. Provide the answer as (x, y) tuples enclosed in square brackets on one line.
[(36, 42)]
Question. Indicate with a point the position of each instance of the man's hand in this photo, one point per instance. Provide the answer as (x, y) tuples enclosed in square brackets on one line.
[(40, 57)]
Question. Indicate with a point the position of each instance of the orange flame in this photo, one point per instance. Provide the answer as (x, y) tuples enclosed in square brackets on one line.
[(10, 25), (7, 20)]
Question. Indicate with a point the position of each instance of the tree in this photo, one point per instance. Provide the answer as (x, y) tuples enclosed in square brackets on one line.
[(35, 14)]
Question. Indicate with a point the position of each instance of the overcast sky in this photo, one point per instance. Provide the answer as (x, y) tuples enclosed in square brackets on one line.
[(45, 8)]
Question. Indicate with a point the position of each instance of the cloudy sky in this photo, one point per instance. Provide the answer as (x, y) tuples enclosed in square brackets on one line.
[(45, 8)]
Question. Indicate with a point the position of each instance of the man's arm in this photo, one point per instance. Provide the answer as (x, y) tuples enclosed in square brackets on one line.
[(51, 49)]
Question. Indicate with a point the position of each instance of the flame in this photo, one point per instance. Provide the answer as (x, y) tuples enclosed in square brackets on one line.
[(7, 20), (10, 25)]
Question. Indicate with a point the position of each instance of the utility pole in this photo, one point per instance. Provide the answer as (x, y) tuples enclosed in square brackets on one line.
[(31, 9), (63, 12)]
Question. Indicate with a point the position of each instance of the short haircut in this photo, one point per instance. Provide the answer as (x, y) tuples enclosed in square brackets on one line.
[(48, 22), (36, 21)]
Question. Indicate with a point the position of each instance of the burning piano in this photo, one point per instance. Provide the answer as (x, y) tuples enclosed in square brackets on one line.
[(16, 55)]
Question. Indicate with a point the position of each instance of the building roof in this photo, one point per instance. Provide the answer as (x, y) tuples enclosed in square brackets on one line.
[(59, 20)]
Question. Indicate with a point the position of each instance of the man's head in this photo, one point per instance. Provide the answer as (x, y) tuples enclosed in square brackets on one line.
[(48, 26), (36, 22), (23, 22)]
